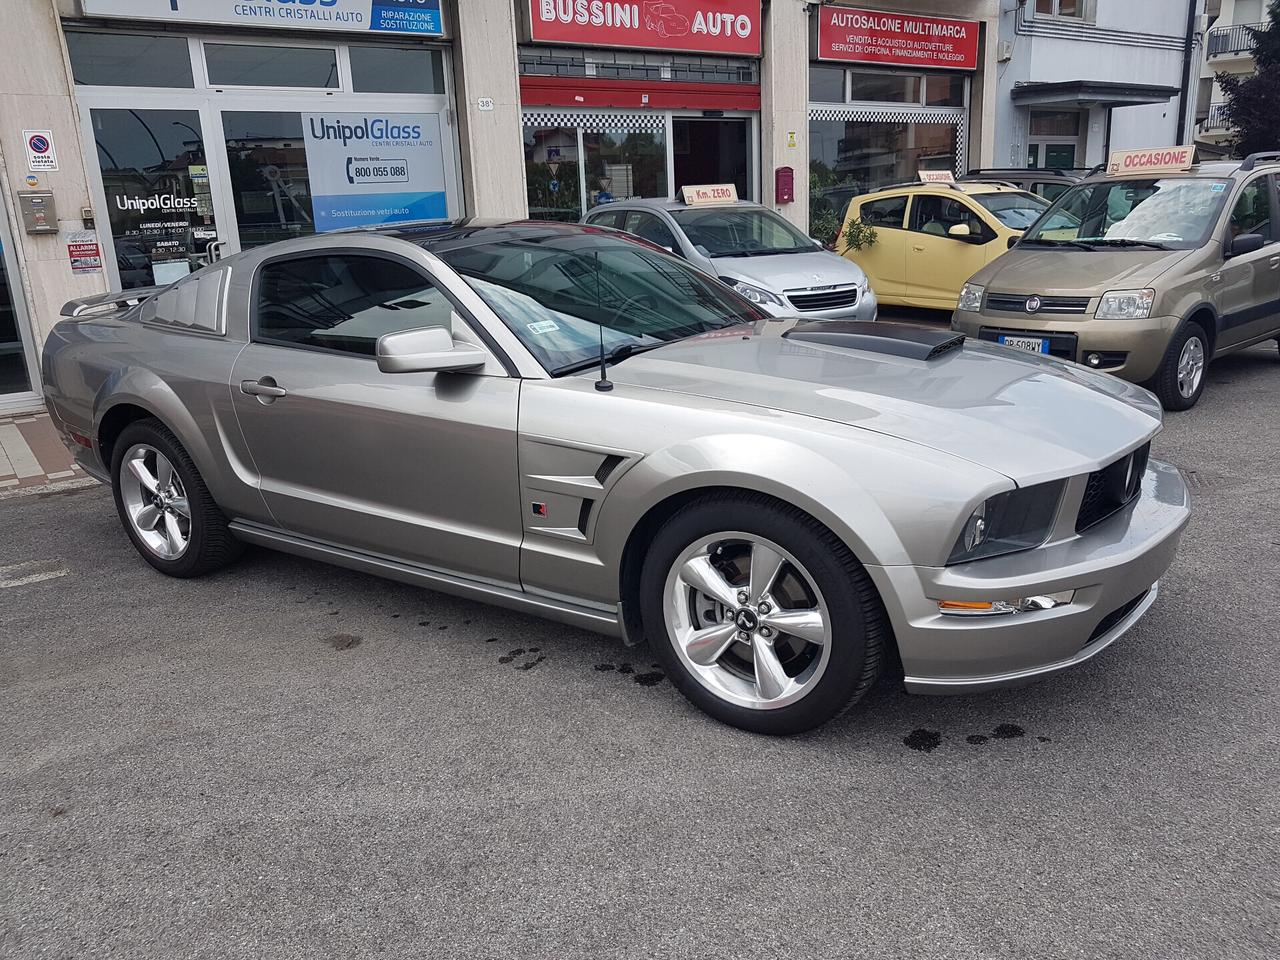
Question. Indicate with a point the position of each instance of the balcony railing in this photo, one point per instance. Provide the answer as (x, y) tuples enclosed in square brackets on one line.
[(1217, 119), (1233, 40)]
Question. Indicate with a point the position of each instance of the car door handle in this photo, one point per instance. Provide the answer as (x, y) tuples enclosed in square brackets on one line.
[(1275, 263), (918, 249), (266, 387)]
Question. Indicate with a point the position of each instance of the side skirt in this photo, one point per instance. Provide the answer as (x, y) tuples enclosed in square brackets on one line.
[(499, 595)]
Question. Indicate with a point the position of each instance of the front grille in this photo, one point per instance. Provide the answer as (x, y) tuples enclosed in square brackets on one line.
[(1017, 303), (1111, 488), (1112, 619), (823, 299)]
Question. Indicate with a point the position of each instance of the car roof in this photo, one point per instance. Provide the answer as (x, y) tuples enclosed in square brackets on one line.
[(665, 203), (443, 237), (967, 187)]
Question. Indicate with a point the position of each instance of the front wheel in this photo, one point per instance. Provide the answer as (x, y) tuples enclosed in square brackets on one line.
[(165, 508), (760, 615), (1180, 380)]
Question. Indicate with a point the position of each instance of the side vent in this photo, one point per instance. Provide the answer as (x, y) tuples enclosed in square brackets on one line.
[(584, 516), (606, 468)]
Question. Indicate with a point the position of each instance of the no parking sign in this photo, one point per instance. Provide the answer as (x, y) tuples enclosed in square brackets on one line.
[(41, 155)]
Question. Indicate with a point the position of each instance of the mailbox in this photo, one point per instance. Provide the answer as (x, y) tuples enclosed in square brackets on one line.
[(39, 214), (784, 185)]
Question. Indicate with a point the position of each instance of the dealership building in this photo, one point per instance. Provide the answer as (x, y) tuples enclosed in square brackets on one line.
[(140, 139)]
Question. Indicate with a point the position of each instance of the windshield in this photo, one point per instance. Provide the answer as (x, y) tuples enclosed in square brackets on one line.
[(741, 231), (1017, 211), (1172, 214), (558, 293)]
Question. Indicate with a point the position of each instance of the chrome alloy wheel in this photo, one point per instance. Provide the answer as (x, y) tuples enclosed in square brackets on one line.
[(1190, 367), (747, 620), (155, 501)]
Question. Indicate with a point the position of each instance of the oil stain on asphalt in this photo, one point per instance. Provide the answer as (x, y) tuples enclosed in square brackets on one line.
[(343, 641), (522, 652), (927, 741), (648, 679)]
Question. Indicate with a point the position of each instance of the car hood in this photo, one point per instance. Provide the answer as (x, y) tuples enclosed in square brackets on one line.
[(1029, 417), (791, 271), (1067, 272)]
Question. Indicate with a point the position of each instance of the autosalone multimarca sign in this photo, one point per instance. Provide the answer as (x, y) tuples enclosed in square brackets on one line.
[(898, 39), (697, 26)]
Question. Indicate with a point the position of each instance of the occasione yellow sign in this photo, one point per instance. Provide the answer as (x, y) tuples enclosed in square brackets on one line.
[(710, 193), (1160, 160), (937, 176)]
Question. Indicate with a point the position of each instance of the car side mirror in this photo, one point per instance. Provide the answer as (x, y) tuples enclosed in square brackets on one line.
[(960, 231), (1013, 241), (426, 350), (1246, 243)]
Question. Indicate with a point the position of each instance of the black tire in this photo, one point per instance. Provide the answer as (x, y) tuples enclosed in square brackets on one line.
[(1165, 382), (211, 543), (859, 625)]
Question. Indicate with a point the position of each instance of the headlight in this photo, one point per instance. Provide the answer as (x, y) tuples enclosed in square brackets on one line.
[(971, 298), (1009, 522), (1126, 305), (754, 294)]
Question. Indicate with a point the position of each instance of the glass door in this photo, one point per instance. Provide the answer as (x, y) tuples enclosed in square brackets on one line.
[(17, 359), (153, 170)]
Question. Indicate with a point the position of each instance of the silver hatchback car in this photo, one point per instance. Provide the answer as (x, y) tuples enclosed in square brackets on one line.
[(753, 250), (780, 508)]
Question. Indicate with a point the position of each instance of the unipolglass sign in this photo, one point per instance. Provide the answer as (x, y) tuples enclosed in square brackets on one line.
[(374, 168), (693, 26), (897, 39), (417, 17)]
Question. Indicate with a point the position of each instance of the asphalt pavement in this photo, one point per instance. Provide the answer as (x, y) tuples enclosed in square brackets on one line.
[(291, 760)]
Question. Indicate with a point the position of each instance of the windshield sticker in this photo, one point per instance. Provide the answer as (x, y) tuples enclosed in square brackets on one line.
[(543, 326), (1219, 188)]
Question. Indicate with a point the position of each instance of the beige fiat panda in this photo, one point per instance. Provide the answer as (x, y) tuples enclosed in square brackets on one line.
[(1147, 271)]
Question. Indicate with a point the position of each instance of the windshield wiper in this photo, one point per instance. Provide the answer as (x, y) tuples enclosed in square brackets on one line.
[(1046, 242), (1126, 242), (617, 354)]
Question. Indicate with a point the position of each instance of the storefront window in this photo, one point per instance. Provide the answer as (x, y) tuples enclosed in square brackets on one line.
[(128, 60), (945, 90), (269, 179), (255, 65), (826, 84), (13, 361), (885, 87), (396, 70), (552, 174), (851, 157), (622, 164), (156, 180)]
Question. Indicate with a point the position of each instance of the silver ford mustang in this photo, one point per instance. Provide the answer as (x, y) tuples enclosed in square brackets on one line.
[(575, 424)]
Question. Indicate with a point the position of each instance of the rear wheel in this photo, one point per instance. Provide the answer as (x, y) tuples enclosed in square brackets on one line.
[(760, 615), (1180, 380), (165, 507)]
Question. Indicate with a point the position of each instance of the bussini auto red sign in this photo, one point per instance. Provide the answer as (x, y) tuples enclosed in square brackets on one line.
[(698, 26), (900, 39)]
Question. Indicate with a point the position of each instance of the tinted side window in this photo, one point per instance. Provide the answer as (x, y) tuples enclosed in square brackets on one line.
[(649, 227), (888, 212), (344, 302), (1252, 212)]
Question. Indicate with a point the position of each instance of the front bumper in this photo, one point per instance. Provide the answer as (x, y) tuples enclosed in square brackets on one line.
[(867, 308), (1113, 568), (1143, 341)]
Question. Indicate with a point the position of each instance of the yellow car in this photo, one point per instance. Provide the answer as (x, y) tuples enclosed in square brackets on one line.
[(932, 237)]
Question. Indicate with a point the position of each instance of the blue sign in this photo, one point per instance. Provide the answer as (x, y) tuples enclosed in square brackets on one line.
[(422, 18)]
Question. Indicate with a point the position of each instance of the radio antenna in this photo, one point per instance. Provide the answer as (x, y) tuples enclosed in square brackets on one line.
[(603, 384)]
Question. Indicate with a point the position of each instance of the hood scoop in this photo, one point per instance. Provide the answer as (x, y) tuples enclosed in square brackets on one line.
[(893, 339)]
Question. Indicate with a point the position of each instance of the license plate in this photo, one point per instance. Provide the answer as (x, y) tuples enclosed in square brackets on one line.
[(1030, 344)]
